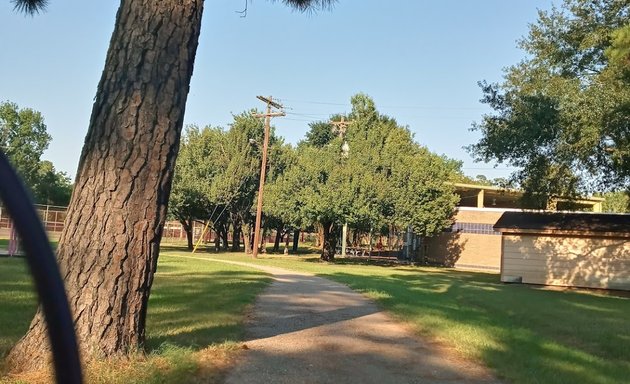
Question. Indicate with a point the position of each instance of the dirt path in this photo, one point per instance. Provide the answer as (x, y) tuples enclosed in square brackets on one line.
[(306, 329)]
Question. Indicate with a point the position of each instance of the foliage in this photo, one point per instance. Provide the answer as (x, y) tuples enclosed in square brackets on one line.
[(617, 202), (561, 115), (400, 183), (194, 172), (51, 187), (319, 135), (23, 138), (385, 181), (218, 171)]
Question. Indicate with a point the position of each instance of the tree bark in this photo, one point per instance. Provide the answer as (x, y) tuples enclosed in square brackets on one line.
[(330, 235), (320, 236), (188, 228), (217, 240), (262, 247), (236, 237), (109, 247), (276, 243), (247, 238), (224, 236), (296, 238)]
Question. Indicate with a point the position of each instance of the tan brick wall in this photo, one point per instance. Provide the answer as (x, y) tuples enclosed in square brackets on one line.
[(477, 216), (465, 250), (567, 261), (468, 250)]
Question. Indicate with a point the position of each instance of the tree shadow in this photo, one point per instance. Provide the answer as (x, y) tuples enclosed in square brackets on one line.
[(576, 261), (547, 336), (195, 310), (297, 302), (18, 302), (445, 249)]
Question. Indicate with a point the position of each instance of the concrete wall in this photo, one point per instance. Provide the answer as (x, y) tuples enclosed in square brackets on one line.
[(592, 262), (472, 243)]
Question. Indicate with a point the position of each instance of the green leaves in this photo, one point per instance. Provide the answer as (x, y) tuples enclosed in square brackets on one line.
[(386, 180), (562, 115), (23, 138)]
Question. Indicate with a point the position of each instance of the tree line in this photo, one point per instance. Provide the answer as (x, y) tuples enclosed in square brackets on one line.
[(24, 138), (375, 178)]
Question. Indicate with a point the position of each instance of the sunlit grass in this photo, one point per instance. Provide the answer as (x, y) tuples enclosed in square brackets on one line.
[(525, 334), (194, 323)]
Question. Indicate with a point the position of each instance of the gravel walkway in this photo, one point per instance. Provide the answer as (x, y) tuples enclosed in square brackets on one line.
[(306, 329)]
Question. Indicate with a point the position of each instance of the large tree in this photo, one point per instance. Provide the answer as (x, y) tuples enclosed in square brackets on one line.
[(23, 138), (51, 186), (386, 180), (109, 248), (562, 114), (190, 197)]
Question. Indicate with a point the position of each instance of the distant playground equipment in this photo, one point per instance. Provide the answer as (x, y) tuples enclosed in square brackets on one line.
[(405, 246)]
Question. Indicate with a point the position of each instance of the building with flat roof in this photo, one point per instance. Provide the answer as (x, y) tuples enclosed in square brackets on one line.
[(588, 250), (472, 242)]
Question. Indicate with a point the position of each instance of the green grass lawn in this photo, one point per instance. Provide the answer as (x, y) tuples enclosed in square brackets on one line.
[(194, 321), (4, 243), (524, 333)]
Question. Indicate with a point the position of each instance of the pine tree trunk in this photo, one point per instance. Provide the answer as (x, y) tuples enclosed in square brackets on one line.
[(109, 247)]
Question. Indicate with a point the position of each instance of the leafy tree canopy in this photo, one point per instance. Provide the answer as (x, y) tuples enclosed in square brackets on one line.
[(386, 180), (51, 187), (23, 138), (617, 202), (562, 114)]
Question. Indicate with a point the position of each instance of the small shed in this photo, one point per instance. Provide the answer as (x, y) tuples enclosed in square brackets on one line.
[(567, 249)]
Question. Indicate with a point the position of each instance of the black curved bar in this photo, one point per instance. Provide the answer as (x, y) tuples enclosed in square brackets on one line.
[(43, 265)]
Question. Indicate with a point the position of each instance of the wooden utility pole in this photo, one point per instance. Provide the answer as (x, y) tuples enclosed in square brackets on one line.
[(340, 127), (270, 103)]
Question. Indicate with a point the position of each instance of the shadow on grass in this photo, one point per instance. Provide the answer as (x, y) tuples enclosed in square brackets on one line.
[(196, 304), (210, 250), (18, 301), (526, 335)]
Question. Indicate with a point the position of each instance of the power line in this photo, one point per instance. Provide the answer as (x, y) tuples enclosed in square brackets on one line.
[(385, 106), (491, 169)]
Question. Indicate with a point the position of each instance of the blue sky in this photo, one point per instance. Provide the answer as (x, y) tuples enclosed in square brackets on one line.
[(419, 60)]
